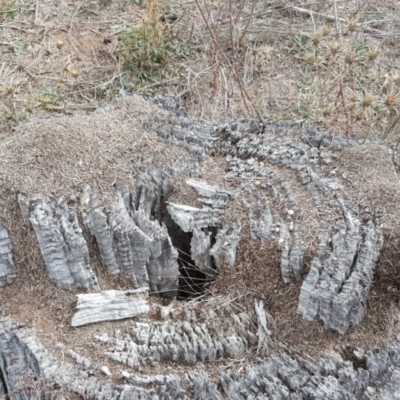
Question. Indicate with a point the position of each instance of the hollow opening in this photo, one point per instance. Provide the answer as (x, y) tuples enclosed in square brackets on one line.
[(3, 386), (192, 280)]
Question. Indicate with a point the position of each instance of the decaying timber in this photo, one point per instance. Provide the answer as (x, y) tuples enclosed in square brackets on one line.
[(61, 242), (173, 207), (109, 305), (8, 271), (30, 371)]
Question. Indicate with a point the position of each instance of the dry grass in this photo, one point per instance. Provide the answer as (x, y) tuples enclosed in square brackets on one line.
[(283, 60), (59, 156)]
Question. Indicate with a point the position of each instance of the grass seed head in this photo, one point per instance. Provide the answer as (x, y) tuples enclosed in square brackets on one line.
[(326, 30), (309, 58), (350, 57), (352, 25), (391, 99), (367, 100), (335, 47), (353, 97), (359, 116), (396, 79), (316, 38), (374, 53)]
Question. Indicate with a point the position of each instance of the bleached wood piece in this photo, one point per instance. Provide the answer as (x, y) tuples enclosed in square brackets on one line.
[(109, 305), (212, 196), (8, 272), (62, 244), (189, 218), (132, 243)]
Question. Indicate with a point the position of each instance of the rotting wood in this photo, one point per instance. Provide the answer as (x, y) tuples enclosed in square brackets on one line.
[(305, 195), (109, 305)]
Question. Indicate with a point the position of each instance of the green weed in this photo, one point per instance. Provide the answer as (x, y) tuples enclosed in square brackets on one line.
[(8, 9), (147, 48)]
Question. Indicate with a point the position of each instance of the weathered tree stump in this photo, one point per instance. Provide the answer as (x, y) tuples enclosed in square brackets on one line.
[(139, 197)]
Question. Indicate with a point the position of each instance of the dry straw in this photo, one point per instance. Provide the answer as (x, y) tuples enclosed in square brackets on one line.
[(59, 155)]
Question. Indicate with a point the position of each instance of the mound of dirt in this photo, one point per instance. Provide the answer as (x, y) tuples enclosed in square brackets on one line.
[(271, 249)]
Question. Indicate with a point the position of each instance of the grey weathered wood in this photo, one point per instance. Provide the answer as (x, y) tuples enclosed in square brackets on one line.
[(203, 387), (109, 305), (79, 359), (23, 206), (200, 247), (263, 333), (8, 271), (335, 289), (262, 228), (134, 238), (183, 341), (62, 244), (213, 196), (162, 266), (332, 271), (227, 241), (189, 218), (23, 359), (96, 221), (132, 243)]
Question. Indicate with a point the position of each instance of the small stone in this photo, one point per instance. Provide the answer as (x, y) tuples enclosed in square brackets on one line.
[(74, 73), (59, 346), (105, 370), (125, 374), (290, 212), (333, 172), (257, 183), (291, 226)]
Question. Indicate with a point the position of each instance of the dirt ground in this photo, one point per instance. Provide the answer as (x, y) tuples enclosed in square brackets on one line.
[(333, 63)]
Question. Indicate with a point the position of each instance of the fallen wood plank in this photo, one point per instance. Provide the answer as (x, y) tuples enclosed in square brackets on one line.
[(109, 305)]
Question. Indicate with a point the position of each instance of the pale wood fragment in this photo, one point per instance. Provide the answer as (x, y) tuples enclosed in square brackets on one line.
[(109, 305)]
